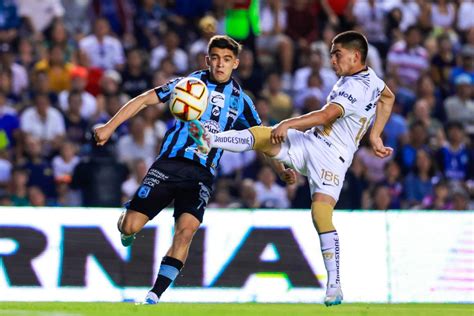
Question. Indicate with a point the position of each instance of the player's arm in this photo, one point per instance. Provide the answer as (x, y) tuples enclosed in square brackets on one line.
[(382, 114), (103, 132), (326, 115)]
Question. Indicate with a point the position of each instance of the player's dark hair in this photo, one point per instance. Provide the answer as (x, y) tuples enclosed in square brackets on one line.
[(224, 41), (353, 40)]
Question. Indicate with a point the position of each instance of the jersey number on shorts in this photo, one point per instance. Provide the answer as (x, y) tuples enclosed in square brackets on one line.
[(329, 176)]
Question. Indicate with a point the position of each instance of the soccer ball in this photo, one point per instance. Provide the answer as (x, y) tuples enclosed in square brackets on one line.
[(188, 99)]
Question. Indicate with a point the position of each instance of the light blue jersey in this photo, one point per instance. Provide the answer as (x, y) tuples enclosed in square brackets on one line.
[(228, 105)]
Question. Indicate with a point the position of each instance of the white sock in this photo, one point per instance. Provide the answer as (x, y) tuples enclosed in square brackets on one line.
[(236, 141), (330, 250)]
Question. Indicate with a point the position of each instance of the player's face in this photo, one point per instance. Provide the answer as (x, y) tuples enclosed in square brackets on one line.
[(343, 60), (221, 62)]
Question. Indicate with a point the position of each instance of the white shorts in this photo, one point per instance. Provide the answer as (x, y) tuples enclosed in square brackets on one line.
[(311, 156)]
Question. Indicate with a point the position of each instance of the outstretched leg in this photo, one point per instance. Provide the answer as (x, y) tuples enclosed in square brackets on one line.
[(255, 138), (321, 211), (185, 228)]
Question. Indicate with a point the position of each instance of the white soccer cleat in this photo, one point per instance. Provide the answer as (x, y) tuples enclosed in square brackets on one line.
[(150, 299), (201, 136), (333, 295)]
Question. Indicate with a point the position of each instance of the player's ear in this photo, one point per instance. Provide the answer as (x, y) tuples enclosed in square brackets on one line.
[(236, 63), (208, 61), (357, 56)]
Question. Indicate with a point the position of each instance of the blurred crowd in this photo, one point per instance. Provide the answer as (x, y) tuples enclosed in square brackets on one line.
[(66, 65)]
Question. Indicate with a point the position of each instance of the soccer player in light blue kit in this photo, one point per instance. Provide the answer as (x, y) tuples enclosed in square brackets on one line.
[(180, 169)]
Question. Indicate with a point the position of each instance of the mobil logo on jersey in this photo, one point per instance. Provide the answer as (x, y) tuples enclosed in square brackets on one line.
[(348, 96)]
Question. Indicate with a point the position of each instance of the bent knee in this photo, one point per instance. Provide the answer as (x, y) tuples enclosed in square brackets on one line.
[(129, 225)]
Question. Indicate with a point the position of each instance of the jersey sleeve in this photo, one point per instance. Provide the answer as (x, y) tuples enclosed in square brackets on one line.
[(346, 96), (163, 92), (249, 116)]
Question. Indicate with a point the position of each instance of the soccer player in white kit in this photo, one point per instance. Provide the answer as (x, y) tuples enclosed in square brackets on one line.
[(321, 144)]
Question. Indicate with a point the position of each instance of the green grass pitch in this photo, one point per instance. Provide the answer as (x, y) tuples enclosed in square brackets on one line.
[(168, 309)]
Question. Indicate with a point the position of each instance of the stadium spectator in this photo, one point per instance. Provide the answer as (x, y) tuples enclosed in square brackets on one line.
[(460, 107), (323, 45), (372, 17), (57, 69), (103, 50), (39, 15), (393, 183), (339, 13), (36, 196), (26, 53), (57, 35), (272, 38), (208, 28), (417, 139), (44, 122), (464, 20), (382, 198), (454, 156), (10, 22), (434, 128), (466, 65), (442, 64), (269, 193), (248, 195), (440, 199), (419, 183), (170, 48), (40, 172), (138, 171), (250, 77), (407, 59), (117, 13), (64, 163), (461, 200), (311, 98), (76, 125), (149, 22), (88, 108), (19, 76), (76, 12), (299, 193), (280, 102), (443, 14), (135, 77), (315, 65), (138, 144), (18, 189)]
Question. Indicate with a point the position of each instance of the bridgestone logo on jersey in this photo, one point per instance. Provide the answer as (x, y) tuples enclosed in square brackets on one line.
[(348, 96), (232, 140)]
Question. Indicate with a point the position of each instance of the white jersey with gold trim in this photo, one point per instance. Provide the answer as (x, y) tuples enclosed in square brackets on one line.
[(357, 95)]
